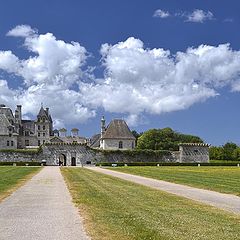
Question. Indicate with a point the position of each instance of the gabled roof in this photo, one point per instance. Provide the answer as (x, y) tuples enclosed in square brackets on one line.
[(56, 139), (118, 129)]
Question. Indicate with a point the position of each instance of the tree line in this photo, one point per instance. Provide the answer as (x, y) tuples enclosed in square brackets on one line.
[(229, 151)]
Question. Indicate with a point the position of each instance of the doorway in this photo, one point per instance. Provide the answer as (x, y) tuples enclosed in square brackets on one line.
[(73, 162), (62, 160)]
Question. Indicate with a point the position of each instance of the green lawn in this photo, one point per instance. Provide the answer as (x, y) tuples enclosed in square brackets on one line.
[(221, 179), (115, 209), (11, 177)]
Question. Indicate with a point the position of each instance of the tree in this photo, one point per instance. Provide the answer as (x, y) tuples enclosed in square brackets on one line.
[(228, 149), (164, 139)]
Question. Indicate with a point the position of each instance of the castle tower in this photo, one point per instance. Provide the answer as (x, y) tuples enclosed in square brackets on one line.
[(43, 126)]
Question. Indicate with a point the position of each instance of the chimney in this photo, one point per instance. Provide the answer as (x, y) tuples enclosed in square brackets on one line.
[(19, 110), (47, 110)]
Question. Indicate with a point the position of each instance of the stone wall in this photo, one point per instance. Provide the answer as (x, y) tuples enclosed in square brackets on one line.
[(136, 156), (79, 154), (19, 157)]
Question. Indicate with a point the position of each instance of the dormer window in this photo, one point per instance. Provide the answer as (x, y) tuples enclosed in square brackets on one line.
[(120, 144)]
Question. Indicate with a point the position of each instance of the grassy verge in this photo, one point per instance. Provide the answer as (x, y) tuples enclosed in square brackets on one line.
[(121, 210), (221, 179), (13, 177)]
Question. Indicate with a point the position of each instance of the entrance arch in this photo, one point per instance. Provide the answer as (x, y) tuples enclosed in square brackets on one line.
[(62, 160), (73, 161)]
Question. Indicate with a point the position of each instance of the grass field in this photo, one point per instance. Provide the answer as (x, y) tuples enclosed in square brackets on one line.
[(221, 179), (121, 210), (13, 177)]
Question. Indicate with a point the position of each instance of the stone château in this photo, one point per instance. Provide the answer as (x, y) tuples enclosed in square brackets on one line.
[(57, 147), (16, 132)]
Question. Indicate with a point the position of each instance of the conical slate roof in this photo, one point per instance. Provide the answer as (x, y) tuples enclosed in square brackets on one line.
[(118, 129)]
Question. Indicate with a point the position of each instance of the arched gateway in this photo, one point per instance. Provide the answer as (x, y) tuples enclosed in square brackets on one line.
[(67, 154)]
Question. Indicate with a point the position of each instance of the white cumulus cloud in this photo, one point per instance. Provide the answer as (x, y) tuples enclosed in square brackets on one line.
[(22, 31), (139, 80), (161, 14), (199, 16)]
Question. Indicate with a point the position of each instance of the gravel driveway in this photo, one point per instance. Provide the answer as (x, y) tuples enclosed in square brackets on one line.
[(41, 209)]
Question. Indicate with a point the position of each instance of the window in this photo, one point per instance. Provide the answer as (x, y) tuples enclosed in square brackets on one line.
[(44, 127), (10, 134), (120, 144), (27, 133), (26, 142), (7, 143), (43, 134), (43, 141), (43, 119), (12, 143), (39, 134), (39, 142), (38, 127)]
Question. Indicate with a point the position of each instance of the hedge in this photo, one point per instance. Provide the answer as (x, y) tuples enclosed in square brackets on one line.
[(120, 164), (20, 163), (24, 151)]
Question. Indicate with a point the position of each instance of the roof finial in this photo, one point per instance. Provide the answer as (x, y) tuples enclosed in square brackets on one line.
[(41, 104)]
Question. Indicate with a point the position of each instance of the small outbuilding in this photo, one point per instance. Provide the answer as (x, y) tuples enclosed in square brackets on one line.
[(194, 152)]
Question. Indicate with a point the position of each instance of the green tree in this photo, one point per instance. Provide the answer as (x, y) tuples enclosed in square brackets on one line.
[(164, 139)]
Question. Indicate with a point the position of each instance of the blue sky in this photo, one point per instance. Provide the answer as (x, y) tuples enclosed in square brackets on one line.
[(192, 91)]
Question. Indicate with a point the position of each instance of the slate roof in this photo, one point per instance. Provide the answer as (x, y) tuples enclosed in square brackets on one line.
[(95, 140), (42, 113), (118, 129)]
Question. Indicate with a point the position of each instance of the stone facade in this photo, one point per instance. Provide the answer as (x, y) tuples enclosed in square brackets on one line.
[(16, 132), (114, 144)]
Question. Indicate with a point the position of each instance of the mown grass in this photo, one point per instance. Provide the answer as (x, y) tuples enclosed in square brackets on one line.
[(221, 179), (118, 209), (13, 177)]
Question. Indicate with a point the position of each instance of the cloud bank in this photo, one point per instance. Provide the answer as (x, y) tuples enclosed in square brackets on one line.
[(137, 80)]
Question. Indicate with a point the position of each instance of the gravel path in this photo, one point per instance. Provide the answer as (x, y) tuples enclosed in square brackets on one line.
[(41, 209), (227, 202)]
